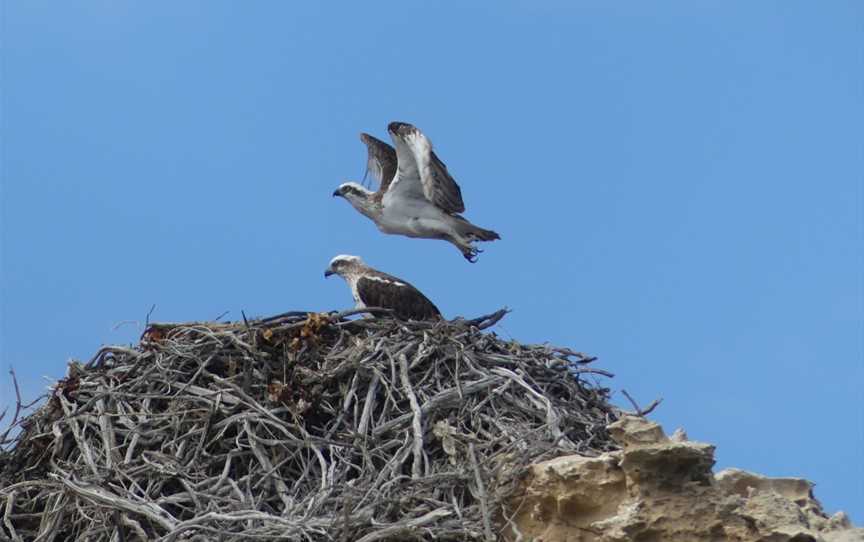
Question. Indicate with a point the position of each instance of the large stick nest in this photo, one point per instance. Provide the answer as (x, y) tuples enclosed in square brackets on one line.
[(304, 426)]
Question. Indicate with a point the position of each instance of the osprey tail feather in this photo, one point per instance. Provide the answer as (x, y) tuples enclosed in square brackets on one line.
[(474, 233)]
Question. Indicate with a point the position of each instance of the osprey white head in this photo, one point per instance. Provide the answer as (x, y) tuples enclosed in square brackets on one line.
[(359, 197), (344, 264)]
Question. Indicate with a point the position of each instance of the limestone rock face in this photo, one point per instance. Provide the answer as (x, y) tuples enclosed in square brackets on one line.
[(657, 489)]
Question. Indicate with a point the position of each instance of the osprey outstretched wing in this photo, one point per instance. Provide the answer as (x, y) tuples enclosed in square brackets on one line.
[(420, 167), (381, 161)]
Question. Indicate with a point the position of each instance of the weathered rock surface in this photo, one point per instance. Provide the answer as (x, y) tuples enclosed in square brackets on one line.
[(657, 489)]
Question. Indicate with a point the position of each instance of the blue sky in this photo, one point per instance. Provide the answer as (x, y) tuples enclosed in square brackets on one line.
[(677, 186)]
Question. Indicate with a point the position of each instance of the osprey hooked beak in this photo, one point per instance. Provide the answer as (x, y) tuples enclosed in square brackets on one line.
[(328, 272), (337, 192)]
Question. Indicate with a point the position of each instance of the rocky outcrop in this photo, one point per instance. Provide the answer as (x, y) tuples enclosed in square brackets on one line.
[(661, 489)]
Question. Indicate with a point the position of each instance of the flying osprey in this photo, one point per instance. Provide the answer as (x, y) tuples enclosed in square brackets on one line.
[(372, 288), (416, 196)]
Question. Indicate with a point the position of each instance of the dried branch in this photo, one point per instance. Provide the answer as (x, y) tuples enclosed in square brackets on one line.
[(642, 411), (19, 405)]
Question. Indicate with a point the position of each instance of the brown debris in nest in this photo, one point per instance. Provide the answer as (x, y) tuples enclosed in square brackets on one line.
[(302, 426)]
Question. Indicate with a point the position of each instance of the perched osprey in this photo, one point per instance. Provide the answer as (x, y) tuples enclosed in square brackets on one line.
[(372, 288), (416, 196)]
